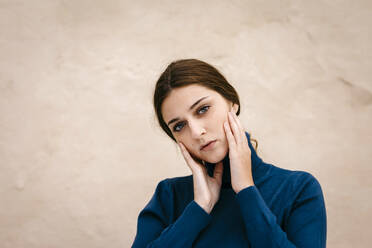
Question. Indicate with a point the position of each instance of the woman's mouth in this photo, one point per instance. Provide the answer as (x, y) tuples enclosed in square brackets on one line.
[(209, 146)]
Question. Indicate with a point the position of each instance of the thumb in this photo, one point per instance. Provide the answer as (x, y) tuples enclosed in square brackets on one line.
[(190, 161), (218, 171)]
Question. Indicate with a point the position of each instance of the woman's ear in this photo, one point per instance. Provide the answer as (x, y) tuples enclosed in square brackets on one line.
[(234, 108)]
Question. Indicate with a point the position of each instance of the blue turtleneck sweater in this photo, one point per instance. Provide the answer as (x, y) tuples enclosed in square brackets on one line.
[(284, 208)]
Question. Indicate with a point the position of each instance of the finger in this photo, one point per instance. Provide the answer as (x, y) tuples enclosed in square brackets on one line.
[(229, 136), (234, 128), (187, 157), (218, 171), (240, 127)]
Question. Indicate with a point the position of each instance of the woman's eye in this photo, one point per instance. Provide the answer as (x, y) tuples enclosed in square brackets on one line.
[(175, 129), (204, 108), (200, 111)]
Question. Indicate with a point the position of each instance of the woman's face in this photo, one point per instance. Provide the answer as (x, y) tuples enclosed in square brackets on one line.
[(195, 115)]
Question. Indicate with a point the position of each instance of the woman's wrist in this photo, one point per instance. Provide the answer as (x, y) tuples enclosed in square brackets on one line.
[(244, 187), (206, 207)]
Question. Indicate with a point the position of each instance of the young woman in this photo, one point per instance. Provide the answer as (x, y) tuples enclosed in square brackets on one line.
[(233, 198)]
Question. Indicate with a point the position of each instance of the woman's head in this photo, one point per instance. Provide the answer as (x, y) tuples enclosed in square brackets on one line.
[(191, 101)]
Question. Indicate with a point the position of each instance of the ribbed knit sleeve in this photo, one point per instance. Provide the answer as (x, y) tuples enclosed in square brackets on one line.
[(154, 228), (305, 225)]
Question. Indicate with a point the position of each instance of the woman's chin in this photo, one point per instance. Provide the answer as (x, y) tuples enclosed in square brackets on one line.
[(216, 157)]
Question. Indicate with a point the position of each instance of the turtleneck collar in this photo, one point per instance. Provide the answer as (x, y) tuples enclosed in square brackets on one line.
[(226, 176)]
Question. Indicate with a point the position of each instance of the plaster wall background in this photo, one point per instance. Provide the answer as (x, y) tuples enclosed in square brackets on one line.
[(80, 149)]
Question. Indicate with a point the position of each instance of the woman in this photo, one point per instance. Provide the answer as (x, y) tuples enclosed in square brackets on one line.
[(232, 198)]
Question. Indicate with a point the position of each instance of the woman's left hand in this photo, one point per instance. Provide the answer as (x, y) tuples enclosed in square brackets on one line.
[(239, 154)]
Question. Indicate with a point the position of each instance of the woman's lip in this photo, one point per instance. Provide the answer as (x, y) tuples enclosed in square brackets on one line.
[(209, 146)]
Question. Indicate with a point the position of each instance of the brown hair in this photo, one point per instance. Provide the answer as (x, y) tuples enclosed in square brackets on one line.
[(191, 71)]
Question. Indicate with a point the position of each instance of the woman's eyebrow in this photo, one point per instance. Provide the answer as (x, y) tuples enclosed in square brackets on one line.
[(191, 107)]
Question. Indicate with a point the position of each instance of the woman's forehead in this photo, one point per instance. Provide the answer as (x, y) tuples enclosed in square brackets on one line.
[(180, 99), (191, 90)]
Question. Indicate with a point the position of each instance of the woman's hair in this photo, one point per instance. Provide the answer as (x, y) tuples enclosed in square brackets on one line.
[(184, 72)]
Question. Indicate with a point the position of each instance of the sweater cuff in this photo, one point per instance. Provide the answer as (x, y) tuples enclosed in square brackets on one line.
[(252, 205), (193, 220)]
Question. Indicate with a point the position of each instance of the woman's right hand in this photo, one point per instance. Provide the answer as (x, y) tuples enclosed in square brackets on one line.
[(206, 188)]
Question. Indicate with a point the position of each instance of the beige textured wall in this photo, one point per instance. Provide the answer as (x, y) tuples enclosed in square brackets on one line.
[(81, 152)]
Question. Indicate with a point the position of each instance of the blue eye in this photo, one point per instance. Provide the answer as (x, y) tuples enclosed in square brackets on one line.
[(202, 110), (175, 128), (205, 107)]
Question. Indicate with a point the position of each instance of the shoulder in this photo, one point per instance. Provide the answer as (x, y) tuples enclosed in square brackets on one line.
[(304, 187), (295, 177), (296, 181), (174, 183), (305, 182), (178, 180), (173, 194), (166, 191)]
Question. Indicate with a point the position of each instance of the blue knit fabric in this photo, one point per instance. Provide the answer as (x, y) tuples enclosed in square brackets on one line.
[(284, 208)]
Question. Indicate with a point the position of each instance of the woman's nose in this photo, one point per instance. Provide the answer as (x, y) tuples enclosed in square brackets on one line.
[(197, 129)]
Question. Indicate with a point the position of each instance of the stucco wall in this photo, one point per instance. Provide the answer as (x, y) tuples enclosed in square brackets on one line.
[(80, 149)]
